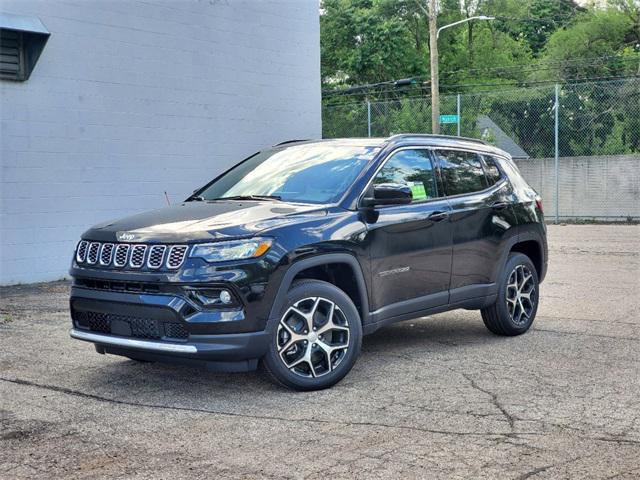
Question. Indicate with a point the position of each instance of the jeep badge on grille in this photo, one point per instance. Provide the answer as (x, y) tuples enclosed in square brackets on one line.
[(125, 236)]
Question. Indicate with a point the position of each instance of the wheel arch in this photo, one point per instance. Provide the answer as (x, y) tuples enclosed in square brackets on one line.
[(530, 243), (312, 268)]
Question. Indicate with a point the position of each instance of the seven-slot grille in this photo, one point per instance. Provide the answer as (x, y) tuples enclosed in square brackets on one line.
[(156, 255), (176, 256), (136, 256), (81, 251), (122, 253), (92, 254), (106, 252)]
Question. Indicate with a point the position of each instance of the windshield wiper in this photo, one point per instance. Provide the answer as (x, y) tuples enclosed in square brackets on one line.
[(195, 198), (276, 198)]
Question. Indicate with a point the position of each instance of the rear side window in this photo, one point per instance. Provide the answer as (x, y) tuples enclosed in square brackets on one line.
[(461, 171), (491, 170), (412, 168)]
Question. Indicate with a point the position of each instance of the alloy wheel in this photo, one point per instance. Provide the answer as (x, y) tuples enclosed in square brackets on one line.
[(313, 337), (521, 294)]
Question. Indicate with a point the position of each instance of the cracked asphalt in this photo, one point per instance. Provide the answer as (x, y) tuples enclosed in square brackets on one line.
[(437, 397)]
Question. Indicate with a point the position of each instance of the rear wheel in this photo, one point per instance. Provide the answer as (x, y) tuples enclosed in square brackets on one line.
[(316, 338), (517, 302)]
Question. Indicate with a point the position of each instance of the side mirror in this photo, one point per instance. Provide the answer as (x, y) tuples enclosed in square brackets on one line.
[(389, 194)]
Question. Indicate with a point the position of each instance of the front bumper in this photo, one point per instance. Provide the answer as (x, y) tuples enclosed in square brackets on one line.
[(165, 327), (230, 352)]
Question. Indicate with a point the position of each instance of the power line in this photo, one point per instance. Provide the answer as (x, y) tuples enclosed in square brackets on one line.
[(541, 66), (534, 84), (418, 82), (536, 66)]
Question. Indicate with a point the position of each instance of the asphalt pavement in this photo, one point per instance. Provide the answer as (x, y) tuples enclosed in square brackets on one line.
[(437, 397)]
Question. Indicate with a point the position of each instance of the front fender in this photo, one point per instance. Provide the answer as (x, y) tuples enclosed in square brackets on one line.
[(314, 261)]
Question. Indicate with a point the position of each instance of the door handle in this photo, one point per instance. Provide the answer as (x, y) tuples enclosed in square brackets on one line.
[(438, 216), (499, 205)]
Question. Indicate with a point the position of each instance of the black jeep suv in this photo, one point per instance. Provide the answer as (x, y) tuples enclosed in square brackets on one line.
[(295, 253)]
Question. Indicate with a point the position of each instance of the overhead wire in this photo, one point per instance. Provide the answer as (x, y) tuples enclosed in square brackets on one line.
[(391, 86)]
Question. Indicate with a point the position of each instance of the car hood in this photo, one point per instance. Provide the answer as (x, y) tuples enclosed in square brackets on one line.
[(202, 221)]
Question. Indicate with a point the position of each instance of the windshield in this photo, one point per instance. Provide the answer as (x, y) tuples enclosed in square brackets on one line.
[(312, 173)]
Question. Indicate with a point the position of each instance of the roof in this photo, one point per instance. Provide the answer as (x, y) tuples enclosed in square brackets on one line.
[(22, 23), (355, 141), (431, 136), (403, 139), (503, 141)]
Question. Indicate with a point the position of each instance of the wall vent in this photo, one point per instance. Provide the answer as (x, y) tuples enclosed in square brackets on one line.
[(22, 40)]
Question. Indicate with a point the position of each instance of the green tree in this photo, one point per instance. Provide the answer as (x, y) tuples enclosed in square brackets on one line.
[(370, 41), (360, 43), (537, 20), (593, 46)]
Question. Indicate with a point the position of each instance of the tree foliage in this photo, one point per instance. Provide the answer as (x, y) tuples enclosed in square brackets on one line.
[(371, 41), (531, 43), (363, 42)]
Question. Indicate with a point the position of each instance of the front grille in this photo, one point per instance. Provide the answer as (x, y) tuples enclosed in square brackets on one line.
[(98, 322), (175, 330), (144, 328), (129, 326), (81, 251), (122, 252), (176, 256), (92, 255), (156, 255), (117, 286), (134, 256), (137, 256), (106, 253)]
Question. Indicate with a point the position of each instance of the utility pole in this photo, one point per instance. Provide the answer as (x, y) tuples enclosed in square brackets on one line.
[(434, 33), (433, 54)]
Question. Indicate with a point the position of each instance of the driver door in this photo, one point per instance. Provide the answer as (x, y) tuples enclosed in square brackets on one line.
[(410, 245)]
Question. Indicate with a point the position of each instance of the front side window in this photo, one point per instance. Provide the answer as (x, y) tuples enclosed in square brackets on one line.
[(310, 173), (412, 168), (461, 171)]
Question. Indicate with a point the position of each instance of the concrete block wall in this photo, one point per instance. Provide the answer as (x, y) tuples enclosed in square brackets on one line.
[(595, 187), (132, 99)]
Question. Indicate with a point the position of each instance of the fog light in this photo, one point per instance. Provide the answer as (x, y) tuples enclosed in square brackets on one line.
[(225, 297), (212, 297)]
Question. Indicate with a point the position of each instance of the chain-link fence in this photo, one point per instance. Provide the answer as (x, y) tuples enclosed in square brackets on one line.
[(583, 157)]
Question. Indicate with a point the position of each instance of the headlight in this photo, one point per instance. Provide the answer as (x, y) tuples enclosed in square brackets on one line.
[(233, 250)]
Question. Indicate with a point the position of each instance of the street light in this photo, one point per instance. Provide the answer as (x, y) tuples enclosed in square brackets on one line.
[(478, 17), (434, 33)]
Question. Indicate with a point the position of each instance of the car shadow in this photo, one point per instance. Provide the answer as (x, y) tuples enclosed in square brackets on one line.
[(444, 330), (156, 382)]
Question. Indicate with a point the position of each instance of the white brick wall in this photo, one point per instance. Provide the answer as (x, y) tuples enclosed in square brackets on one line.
[(132, 98)]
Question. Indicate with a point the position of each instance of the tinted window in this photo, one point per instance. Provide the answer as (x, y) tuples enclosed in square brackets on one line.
[(412, 168), (491, 170), (311, 173), (461, 171)]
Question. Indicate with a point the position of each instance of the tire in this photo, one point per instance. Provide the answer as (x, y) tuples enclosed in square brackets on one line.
[(512, 313), (330, 351)]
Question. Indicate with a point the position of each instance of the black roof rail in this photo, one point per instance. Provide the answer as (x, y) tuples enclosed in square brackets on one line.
[(430, 135), (292, 141)]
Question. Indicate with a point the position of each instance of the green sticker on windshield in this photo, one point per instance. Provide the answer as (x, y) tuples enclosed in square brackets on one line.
[(418, 191)]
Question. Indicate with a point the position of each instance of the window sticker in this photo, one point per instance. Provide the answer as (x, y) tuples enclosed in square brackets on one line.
[(418, 191)]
